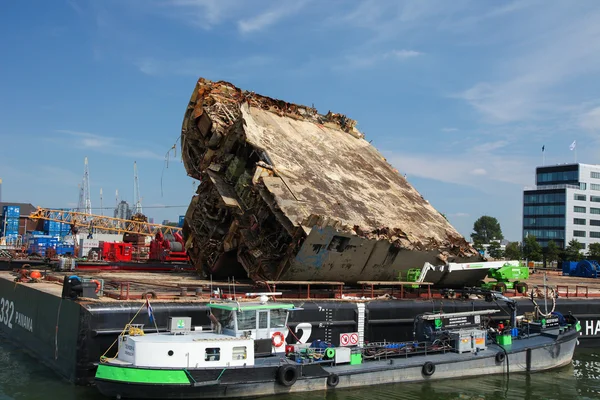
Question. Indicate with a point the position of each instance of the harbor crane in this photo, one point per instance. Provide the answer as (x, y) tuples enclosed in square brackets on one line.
[(137, 225)]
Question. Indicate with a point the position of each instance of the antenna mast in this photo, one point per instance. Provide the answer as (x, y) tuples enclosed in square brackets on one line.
[(86, 188), (137, 208), (101, 208), (80, 204)]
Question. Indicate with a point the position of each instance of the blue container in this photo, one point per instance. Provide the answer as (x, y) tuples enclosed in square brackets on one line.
[(181, 220), (568, 267), (514, 332), (11, 211)]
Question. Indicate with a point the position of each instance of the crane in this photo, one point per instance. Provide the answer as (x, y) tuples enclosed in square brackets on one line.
[(137, 208), (86, 188), (137, 225)]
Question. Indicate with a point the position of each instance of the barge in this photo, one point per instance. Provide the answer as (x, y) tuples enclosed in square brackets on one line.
[(71, 335), (244, 353)]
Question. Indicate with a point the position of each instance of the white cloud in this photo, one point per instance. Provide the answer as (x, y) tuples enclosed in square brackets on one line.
[(107, 144), (270, 16), (590, 120), (449, 129), (491, 146), (478, 171), (557, 51), (402, 54)]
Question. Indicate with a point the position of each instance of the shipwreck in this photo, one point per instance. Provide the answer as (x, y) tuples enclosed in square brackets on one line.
[(287, 193)]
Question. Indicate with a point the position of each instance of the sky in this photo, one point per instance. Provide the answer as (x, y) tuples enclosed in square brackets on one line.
[(458, 95)]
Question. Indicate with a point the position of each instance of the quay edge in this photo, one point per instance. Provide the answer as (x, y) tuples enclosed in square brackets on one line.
[(70, 336)]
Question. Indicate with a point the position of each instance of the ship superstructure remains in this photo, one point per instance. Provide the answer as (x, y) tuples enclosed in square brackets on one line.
[(290, 194)]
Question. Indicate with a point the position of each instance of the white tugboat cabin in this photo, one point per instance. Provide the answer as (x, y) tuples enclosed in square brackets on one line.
[(241, 331)]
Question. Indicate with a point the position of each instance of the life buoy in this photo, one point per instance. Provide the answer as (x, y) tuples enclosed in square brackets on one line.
[(287, 375), (330, 352), (500, 357), (333, 380), (278, 339), (428, 368), (97, 285)]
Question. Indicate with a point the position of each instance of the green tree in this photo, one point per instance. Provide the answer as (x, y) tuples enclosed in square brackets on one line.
[(486, 229), (532, 250), (551, 252), (572, 252), (513, 251), (594, 251), (494, 250)]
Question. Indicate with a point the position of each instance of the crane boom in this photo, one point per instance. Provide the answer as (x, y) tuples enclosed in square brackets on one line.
[(117, 225)]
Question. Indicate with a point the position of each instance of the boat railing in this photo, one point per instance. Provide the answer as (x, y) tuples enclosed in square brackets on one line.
[(379, 350)]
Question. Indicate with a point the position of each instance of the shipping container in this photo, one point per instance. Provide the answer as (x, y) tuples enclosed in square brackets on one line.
[(11, 211)]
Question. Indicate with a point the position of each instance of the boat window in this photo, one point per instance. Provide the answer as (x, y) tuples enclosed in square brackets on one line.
[(246, 320), (278, 318), (263, 319), (212, 354), (239, 353), (225, 317)]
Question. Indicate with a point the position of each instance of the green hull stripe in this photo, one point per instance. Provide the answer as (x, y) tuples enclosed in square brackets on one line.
[(139, 375)]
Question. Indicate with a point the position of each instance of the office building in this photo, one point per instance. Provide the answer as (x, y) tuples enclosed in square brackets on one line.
[(564, 205)]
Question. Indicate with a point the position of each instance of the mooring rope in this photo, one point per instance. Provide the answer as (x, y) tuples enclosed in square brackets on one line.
[(103, 357)]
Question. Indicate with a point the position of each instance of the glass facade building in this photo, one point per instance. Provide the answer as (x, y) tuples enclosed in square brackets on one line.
[(564, 205)]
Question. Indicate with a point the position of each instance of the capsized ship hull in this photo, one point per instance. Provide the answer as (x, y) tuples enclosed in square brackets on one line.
[(289, 194)]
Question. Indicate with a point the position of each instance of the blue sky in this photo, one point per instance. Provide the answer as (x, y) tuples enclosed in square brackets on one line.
[(459, 95)]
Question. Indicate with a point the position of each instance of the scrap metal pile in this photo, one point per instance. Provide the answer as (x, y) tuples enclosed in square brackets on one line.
[(289, 194)]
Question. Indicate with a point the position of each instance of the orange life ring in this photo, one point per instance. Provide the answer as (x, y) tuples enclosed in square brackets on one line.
[(280, 342), (97, 284)]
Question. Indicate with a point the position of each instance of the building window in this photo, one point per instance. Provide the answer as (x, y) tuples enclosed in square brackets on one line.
[(595, 175), (579, 221), (595, 222), (543, 222), (579, 233), (594, 210), (582, 185), (544, 210), (212, 354), (580, 197), (579, 209), (595, 199), (595, 234), (240, 353), (594, 186), (536, 198)]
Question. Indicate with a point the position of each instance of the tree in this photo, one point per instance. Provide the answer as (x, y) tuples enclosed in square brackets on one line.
[(551, 252), (532, 250), (495, 251), (572, 252), (486, 229), (594, 251), (513, 251)]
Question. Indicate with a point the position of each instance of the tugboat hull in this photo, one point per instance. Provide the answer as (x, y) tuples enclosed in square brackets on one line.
[(543, 352)]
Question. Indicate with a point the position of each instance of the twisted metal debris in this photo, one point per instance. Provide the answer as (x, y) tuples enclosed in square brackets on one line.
[(289, 194)]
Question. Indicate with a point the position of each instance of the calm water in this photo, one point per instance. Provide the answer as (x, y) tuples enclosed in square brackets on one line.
[(21, 377)]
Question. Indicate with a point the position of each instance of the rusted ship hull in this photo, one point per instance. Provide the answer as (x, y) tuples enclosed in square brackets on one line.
[(289, 194)]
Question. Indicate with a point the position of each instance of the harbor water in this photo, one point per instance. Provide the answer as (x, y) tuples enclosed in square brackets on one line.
[(23, 378)]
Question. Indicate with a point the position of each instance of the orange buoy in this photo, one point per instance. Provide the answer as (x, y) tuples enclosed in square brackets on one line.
[(35, 274), (98, 285)]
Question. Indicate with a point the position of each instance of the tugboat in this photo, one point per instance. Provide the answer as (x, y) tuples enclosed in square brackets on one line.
[(246, 354)]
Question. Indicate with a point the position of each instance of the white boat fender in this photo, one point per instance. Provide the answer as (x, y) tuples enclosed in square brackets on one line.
[(287, 375), (500, 357), (333, 380), (428, 368)]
